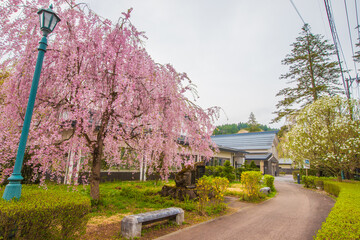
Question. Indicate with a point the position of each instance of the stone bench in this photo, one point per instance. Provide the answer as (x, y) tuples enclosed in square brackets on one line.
[(265, 190), (131, 225)]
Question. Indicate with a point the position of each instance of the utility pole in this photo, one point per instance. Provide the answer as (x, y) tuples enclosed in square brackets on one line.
[(350, 81)]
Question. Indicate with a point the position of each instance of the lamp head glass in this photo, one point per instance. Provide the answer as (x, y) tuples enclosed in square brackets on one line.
[(48, 19)]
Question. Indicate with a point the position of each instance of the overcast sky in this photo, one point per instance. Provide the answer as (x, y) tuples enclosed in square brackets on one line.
[(231, 49)]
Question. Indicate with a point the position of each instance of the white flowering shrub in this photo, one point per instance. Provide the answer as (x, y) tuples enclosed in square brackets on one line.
[(327, 132)]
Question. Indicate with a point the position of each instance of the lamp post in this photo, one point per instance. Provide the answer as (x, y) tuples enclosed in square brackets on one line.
[(48, 21)]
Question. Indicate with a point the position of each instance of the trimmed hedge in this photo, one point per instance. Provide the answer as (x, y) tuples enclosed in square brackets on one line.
[(44, 214), (343, 221), (332, 188)]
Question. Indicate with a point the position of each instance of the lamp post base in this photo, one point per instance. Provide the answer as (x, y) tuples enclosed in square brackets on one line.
[(13, 189)]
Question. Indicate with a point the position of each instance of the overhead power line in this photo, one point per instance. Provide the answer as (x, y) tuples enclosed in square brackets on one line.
[(357, 20), (298, 12), (358, 31), (337, 45), (350, 36)]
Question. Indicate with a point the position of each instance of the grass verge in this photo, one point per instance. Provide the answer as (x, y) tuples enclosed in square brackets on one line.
[(343, 221)]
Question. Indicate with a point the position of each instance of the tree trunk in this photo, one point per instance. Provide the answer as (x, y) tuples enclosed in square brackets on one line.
[(313, 84), (97, 156), (95, 172), (145, 169), (141, 171)]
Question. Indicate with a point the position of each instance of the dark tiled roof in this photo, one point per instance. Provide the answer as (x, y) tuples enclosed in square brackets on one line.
[(246, 141), (231, 149), (258, 156)]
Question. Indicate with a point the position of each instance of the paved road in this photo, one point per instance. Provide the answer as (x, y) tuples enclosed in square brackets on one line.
[(295, 213)]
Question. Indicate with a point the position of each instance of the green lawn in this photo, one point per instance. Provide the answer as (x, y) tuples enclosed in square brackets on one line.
[(122, 198), (134, 197)]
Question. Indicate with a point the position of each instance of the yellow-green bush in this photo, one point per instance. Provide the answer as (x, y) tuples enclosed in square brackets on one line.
[(211, 192), (220, 184), (41, 214), (343, 221), (251, 182)]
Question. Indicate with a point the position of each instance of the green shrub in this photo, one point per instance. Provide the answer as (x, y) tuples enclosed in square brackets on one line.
[(238, 173), (251, 181), (250, 167), (253, 165), (269, 181), (211, 194), (44, 214), (343, 222), (309, 181), (228, 171), (212, 171)]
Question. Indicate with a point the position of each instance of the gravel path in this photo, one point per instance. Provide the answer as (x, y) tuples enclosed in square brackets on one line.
[(295, 213)]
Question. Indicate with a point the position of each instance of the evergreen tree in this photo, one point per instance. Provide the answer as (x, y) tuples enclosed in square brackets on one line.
[(311, 74), (253, 124), (253, 165)]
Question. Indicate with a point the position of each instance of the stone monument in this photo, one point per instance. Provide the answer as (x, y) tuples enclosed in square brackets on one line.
[(185, 181)]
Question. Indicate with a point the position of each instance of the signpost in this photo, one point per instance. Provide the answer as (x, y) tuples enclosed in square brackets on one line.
[(307, 165)]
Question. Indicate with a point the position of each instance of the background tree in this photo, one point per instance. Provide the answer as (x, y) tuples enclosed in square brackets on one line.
[(311, 74), (326, 134), (226, 129), (235, 128), (254, 126), (101, 97)]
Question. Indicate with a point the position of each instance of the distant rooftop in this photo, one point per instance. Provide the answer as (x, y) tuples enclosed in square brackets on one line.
[(285, 161), (231, 149), (258, 156), (246, 141)]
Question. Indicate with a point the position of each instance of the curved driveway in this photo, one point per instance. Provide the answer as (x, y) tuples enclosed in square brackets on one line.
[(295, 213)]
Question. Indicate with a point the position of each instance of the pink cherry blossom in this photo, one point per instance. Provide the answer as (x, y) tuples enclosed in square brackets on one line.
[(101, 98)]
